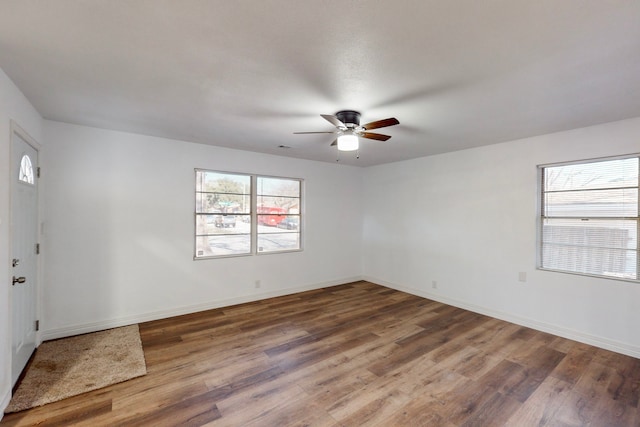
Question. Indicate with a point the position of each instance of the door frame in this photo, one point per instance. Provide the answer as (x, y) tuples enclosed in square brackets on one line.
[(18, 131)]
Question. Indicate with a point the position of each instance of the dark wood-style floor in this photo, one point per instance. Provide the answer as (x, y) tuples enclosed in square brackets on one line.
[(357, 354)]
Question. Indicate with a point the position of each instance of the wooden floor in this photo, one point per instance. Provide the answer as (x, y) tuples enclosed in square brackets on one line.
[(357, 354)]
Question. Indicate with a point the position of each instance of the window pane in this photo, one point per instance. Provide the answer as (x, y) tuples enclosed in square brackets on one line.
[(223, 193), (610, 203), (223, 224), (26, 170), (272, 219), (288, 224), (222, 182), (620, 263), (238, 244), (278, 187), (594, 232), (603, 174), (216, 203), (287, 204), (272, 242)]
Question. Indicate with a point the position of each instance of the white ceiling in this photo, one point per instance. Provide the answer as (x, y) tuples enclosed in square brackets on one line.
[(246, 74)]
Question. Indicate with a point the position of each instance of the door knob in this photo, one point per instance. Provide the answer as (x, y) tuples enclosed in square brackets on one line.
[(21, 279)]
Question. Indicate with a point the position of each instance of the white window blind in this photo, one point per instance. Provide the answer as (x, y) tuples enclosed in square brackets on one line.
[(589, 218)]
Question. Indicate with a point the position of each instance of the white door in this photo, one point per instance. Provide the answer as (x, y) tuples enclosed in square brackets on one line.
[(24, 234)]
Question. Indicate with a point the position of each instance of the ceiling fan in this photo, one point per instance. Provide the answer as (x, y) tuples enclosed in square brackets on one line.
[(348, 129)]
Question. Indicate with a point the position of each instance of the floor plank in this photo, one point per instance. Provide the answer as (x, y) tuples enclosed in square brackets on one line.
[(351, 355)]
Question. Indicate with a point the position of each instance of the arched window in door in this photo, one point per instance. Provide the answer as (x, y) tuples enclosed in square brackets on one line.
[(26, 170)]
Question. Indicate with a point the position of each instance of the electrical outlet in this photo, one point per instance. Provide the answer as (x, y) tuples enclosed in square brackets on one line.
[(522, 276), (434, 284), (257, 284)]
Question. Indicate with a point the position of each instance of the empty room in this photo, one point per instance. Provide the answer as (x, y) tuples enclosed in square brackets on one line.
[(331, 213)]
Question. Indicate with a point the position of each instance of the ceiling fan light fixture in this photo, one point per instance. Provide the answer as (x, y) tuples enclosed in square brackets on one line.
[(348, 142), (349, 131)]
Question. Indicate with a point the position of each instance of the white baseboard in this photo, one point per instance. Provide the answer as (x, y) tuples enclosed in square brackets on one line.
[(596, 341), (68, 331), (5, 402)]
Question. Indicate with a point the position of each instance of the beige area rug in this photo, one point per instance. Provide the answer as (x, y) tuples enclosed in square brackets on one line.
[(75, 365)]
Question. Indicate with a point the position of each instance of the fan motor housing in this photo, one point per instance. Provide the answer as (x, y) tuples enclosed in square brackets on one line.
[(349, 117)]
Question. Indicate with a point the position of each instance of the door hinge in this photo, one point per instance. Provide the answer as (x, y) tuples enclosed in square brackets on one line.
[(37, 325), (38, 171), (37, 248)]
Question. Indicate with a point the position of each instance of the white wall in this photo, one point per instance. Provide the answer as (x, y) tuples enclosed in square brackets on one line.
[(119, 230), (467, 220), (13, 106)]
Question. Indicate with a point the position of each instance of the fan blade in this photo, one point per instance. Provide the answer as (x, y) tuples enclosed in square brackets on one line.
[(376, 136), (334, 143), (381, 123), (334, 121), (303, 133)]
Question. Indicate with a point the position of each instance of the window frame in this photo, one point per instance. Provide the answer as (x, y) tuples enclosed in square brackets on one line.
[(541, 217), (253, 215)]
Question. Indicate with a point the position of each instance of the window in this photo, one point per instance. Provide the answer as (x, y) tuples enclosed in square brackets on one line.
[(26, 170), (278, 214), (239, 214), (589, 218), (223, 209)]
